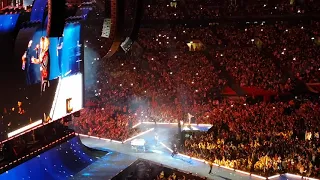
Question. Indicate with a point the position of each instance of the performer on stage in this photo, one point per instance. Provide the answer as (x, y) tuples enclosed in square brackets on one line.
[(26, 62), (43, 60), (174, 150), (210, 166)]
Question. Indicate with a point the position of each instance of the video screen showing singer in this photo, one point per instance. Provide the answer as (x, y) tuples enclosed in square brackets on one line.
[(26, 63), (31, 69), (39, 57)]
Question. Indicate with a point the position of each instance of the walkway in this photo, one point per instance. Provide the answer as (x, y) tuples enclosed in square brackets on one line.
[(161, 155), (123, 155)]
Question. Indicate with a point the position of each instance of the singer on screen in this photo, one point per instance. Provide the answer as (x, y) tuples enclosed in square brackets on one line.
[(26, 62), (43, 60)]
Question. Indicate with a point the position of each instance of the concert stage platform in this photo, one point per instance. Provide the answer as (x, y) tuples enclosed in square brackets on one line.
[(105, 159), (162, 155), (60, 162)]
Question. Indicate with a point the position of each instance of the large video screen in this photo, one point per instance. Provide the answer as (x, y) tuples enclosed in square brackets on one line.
[(50, 58), (42, 81)]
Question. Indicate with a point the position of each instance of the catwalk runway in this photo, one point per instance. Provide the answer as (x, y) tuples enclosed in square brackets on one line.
[(72, 160), (162, 155)]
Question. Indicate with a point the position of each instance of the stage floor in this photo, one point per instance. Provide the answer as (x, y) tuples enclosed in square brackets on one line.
[(157, 154), (72, 160), (123, 155), (106, 168)]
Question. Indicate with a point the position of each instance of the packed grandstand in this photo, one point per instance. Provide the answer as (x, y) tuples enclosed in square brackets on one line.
[(255, 81)]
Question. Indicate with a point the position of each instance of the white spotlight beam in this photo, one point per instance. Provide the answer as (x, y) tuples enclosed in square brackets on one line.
[(145, 132), (167, 123), (29, 126), (94, 137), (274, 176), (136, 125)]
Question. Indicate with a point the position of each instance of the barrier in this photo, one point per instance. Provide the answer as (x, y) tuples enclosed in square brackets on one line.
[(165, 123), (301, 177)]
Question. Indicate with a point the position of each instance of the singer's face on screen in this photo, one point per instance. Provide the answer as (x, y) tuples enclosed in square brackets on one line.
[(44, 43), (41, 43)]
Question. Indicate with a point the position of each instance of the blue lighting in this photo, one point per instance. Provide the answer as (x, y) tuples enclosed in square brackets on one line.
[(70, 53), (204, 128), (8, 22), (46, 22), (60, 163), (38, 8), (64, 60), (85, 12), (86, 174)]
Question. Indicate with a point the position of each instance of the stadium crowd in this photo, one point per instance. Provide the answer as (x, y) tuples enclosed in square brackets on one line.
[(126, 93), (262, 138), (251, 52), (210, 9), (166, 76)]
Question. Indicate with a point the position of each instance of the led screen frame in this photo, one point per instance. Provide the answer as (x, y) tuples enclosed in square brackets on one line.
[(41, 97)]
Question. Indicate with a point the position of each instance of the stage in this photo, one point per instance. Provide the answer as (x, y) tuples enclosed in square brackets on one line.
[(114, 157), (158, 154)]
